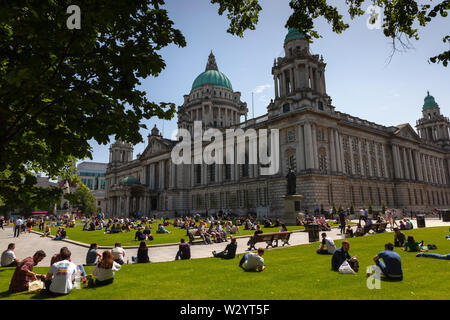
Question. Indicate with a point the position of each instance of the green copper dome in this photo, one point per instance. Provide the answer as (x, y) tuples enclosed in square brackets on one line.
[(129, 181), (214, 77), (429, 102), (293, 34)]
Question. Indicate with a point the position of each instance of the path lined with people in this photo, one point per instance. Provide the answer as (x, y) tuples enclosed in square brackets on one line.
[(28, 243)]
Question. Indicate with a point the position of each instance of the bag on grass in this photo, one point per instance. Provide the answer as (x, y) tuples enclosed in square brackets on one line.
[(432, 247), (346, 269), (35, 286)]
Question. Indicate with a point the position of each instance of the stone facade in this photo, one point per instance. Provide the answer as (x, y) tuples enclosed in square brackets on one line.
[(339, 159)]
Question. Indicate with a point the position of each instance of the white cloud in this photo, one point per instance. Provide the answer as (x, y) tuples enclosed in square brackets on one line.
[(261, 88)]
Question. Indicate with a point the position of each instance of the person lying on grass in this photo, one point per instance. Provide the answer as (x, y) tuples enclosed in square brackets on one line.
[(253, 261), (161, 229), (342, 254), (413, 245), (104, 271), (229, 252), (392, 266), (434, 255), (327, 246)]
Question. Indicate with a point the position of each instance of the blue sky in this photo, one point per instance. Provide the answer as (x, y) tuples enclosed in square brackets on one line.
[(359, 78)]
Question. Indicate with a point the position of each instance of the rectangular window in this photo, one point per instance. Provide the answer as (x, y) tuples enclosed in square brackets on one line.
[(227, 171)]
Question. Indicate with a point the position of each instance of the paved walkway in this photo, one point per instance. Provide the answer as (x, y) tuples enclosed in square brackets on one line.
[(27, 244)]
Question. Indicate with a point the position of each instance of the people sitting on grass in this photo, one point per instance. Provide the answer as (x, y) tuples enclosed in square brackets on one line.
[(434, 255), (57, 256), (399, 238), (413, 246), (253, 261), (267, 223), (229, 252), (392, 266), (104, 271), (359, 230), (402, 225), (349, 232), (368, 225), (118, 253), (147, 233), (8, 258), (47, 232), (142, 254), (327, 246), (61, 275), (139, 235), (92, 255), (23, 274), (342, 254), (184, 250), (161, 229), (60, 234)]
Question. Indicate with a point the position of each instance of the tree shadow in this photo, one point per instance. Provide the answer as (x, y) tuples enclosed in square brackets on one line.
[(5, 294)]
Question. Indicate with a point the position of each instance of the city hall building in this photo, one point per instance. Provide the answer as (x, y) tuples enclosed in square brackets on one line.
[(338, 158)]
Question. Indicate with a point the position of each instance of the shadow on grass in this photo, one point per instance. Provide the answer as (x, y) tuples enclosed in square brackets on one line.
[(5, 294)]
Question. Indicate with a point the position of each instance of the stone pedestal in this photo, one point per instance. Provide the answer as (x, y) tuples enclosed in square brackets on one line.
[(292, 209)]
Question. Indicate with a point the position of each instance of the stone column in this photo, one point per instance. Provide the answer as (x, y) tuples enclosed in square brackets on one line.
[(431, 167), (127, 206), (332, 150), (405, 164), (282, 84), (441, 176), (340, 152), (369, 158), (395, 156), (352, 156), (291, 80), (411, 165), (376, 160), (418, 164), (162, 174), (152, 176), (300, 150), (275, 78), (309, 153), (314, 143), (425, 168), (361, 164)]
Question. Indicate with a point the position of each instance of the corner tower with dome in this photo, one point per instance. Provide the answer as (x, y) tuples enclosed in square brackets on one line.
[(212, 101)]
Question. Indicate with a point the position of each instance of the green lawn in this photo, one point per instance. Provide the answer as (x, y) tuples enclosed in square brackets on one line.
[(127, 238), (291, 273)]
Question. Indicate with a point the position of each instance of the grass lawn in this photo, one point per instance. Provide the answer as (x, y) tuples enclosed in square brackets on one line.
[(291, 273), (127, 238)]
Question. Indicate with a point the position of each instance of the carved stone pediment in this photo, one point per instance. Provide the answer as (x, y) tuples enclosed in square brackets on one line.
[(156, 146), (406, 131)]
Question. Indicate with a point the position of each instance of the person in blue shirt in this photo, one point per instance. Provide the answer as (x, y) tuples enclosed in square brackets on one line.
[(392, 266)]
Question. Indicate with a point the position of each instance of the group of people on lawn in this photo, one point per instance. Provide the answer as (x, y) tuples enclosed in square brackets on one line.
[(61, 276)]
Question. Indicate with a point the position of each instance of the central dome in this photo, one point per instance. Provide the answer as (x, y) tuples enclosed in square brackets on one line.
[(214, 77)]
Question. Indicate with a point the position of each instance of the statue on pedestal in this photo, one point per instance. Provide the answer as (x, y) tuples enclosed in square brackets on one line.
[(291, 182)]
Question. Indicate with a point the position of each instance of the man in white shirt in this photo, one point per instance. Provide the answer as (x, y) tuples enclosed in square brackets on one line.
[(9, 257), (327, 246), (60, 277), (118, 253), (17, 226), (253, 261)]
